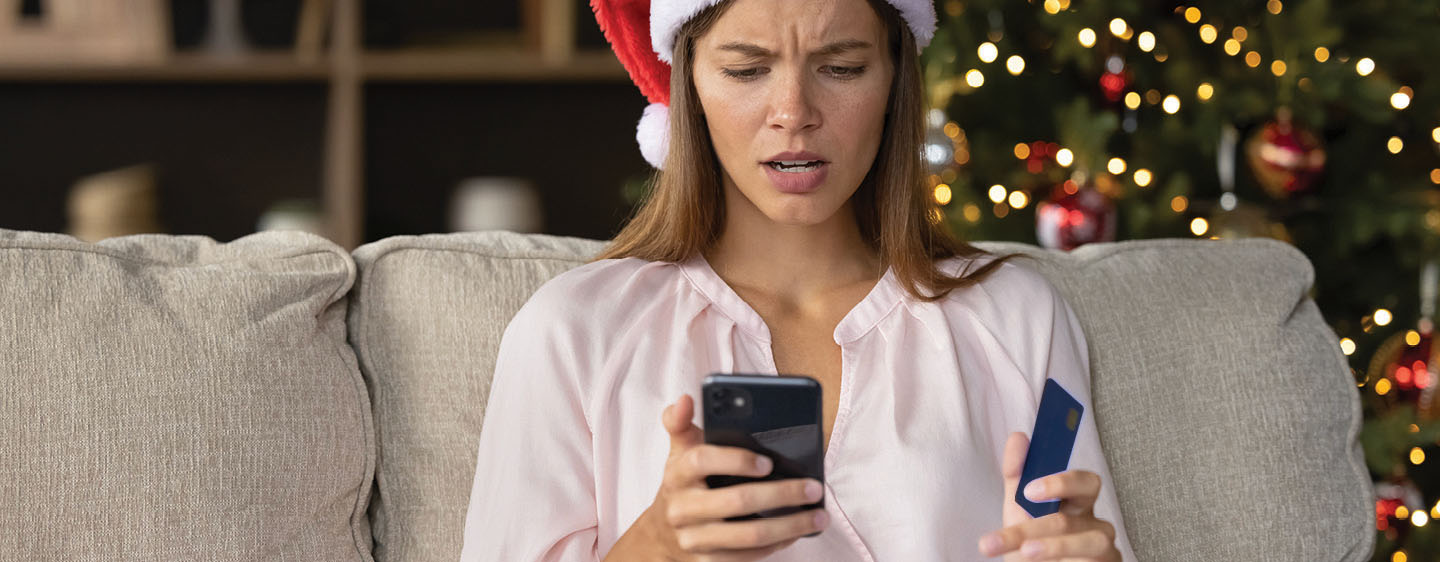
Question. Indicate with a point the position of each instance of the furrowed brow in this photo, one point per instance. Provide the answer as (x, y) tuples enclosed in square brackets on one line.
[(842, 46), (748, 49)]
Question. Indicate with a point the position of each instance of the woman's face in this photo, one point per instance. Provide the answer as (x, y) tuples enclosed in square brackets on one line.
[(794, 94)]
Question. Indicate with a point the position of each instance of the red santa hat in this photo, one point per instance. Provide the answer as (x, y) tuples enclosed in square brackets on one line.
[(643, 36)]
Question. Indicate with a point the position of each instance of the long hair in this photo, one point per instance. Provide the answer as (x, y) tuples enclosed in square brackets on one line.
[(684, 212)]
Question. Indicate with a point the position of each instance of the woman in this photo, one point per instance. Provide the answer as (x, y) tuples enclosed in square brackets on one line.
[(788, 232)]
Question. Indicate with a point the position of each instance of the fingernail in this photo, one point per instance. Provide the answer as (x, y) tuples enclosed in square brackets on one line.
[(989, 544), (812, 490), (821, 519), (1035, 491), (1031, 549), (763, 464)]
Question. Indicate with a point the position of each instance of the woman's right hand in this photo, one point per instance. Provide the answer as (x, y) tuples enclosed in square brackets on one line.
[(688, 518)]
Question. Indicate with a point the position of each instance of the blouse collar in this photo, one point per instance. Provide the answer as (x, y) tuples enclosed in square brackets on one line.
[(882, 298)]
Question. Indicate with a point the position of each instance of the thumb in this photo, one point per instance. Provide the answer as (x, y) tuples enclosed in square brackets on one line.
[(1010, 466), (677, 416)]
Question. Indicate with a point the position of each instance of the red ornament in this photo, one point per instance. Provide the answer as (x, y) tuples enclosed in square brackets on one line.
[(1409, 360), (1114, 84), (1285, 158), (1074, 216)]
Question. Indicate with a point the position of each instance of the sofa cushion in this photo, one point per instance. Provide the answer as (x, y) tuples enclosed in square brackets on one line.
[(1224, 405), (173, 398)]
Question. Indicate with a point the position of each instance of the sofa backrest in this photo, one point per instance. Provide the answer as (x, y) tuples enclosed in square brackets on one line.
[(171, 398), (1225, 408)]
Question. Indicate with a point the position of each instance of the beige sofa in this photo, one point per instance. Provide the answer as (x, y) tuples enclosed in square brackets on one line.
[(277, 398)]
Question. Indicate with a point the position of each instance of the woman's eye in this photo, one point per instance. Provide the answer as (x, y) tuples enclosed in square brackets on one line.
[(845, 72), (743, 73)]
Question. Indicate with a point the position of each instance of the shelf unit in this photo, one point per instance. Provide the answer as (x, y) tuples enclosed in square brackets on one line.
[(549, 53)]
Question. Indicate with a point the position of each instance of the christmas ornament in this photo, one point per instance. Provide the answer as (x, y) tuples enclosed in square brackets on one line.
[(1409, 359), (1393, 503), (1075, 214), (1285, 157), (1113, 84)]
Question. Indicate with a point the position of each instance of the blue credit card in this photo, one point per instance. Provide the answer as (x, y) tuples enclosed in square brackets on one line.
[(1056, 424)]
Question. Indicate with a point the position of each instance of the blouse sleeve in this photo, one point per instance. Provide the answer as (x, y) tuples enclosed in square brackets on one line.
[(533, 498), (1067, 361)]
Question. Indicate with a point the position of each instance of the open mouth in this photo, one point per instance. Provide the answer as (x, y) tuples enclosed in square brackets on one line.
[(795, 166)]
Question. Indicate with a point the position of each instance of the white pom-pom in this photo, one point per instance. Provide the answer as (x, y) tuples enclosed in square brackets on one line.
[(653, 134)]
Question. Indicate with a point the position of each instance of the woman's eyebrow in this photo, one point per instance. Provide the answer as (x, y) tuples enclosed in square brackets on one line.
[(755, 51)]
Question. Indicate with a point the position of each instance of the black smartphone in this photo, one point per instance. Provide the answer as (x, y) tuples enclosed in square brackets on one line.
[(776, 416)]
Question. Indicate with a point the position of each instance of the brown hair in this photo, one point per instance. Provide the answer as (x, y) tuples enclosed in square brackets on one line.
[(684, 212)]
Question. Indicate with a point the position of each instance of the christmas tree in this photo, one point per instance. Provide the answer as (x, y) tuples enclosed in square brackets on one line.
[(1063, 122)]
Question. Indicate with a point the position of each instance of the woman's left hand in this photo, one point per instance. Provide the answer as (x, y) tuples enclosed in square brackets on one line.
[(1073, 533)]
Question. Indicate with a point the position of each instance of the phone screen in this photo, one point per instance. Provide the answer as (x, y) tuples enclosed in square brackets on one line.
[(776, 416)]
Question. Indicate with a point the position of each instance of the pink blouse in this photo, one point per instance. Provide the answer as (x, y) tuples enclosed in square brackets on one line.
[(572, 449)]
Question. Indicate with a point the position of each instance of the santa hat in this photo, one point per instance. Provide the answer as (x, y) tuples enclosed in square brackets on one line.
[(643, 36)]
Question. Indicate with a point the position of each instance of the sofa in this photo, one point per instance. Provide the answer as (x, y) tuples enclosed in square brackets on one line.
[(167, 397)]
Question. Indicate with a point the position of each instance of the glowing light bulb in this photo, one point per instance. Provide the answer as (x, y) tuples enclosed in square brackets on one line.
[(1417, 456), (1115, 166), (1239, 33), (1274, 6), (1087, 37), (1252, 59), (1347, 346), (1382, 387), (1435, 134), (1022, 150), (1412, 338), (1015, 65), (1018, 199), (997, 193), (1143, 177), (1118, 27), (1395, 145), (1205, 91), (1208, 33), (972, 212), (1192, 14), (1132, 100), (1399, 100), (942, 194), (1364, 66), (1278, 68), (974, 78), (1146, 41), (1179, 204), (1198, 226), (1052, 6), (1232, 47), (987, 52), (1322, 54), (1064, 157), (1382, 317), (1419, 518), (1171, 104)]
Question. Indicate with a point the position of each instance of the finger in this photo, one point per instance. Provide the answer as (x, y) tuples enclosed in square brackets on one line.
[(699, 461), (696, 506), (677, 420), (746, 555), (1011, 537), (1090, 545), (754, 533), (1012, 461), (1077, 490)]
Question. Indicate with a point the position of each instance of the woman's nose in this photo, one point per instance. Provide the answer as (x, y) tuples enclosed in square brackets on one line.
[(792, 105)]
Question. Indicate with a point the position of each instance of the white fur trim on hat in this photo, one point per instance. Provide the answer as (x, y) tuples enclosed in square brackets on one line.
[(653, 134), (668, 16)]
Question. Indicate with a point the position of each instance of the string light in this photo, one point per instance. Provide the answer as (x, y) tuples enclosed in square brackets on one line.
[(1402, 512), (1419, 518), (942, 194), (1252, 59), (997, 193), (1412, 338), (1364, 66), (1018, 199), (1198, 226), (1087, 38), (1015, 65), (974, 78), (1382, 317), (1146, 41), (1417, 456), (1172, 104), (1347, 346), (1208, 33), (1192, 14), (1278, 68), (1232, 47), (1435, 134), (1052, 7), (1399, 556), (952, 129), (1382, 387), (1152, 96), (1179, 204), (1118, 27), (1205, 91), (987, 52), (1022, 150), (1143, 177), (1395, 145), (1322, 54), (1160, 57), (1239, 33), (1116, 166), (1274, 6), (1064, 157), (972, 212), (1132, 100), (1435, 176), (1399, 100)]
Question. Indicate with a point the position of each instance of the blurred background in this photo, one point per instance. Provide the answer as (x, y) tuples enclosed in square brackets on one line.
[(1052, 122)]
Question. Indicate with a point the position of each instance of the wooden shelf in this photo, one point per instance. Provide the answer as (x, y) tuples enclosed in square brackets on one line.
[(180, 67), (490, 64)]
